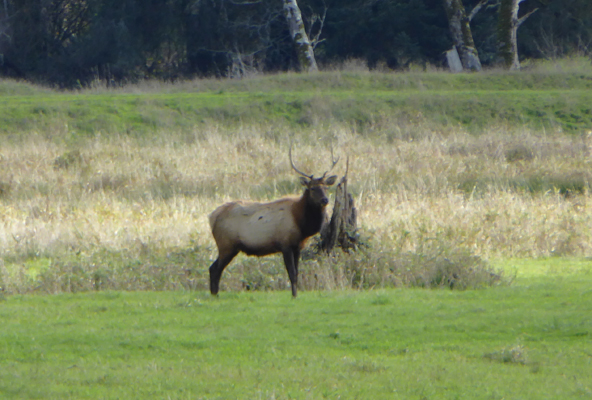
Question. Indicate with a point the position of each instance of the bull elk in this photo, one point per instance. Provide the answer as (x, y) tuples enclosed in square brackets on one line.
[(281, 226)]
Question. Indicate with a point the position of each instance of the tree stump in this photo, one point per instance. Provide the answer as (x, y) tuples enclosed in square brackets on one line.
[(342, 229)]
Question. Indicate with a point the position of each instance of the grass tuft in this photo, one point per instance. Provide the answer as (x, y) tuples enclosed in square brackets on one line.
[(519, 152), (69, 159), (5, 188), (510, 355)]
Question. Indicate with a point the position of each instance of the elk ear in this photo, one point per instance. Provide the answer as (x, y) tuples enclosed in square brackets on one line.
[(331, 180), (304, 181)]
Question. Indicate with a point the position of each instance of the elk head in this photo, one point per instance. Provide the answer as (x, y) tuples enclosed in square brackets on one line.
[(317, 187)]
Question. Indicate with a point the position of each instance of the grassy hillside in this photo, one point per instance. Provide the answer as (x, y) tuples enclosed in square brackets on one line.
[(552, 99)]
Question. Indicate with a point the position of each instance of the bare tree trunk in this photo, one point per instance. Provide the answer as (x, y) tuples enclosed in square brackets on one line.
[(462, 37), (304, 49), (507, 28), (507, 32)]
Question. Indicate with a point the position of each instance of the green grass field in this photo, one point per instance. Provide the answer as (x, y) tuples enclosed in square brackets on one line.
[(530, 340)]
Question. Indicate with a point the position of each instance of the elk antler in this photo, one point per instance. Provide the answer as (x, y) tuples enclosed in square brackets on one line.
[(334, 161), (294, 167)]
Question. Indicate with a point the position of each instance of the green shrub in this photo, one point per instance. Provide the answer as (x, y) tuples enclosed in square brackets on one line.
[(436, 264)]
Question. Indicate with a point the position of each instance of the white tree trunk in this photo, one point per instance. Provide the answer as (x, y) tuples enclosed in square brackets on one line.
[(515, 65), (508, 24), (462, 38), (304, 49)]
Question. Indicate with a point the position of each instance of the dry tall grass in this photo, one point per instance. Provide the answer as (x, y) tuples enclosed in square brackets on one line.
[(501, 194)]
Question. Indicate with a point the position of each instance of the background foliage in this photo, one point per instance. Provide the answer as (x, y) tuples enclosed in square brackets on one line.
[(76, 42)]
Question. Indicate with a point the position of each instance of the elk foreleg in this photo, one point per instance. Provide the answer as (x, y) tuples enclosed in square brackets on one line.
[(291, 260), (296, 259), (216, 270)]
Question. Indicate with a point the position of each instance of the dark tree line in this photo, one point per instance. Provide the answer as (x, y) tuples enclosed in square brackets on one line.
[(74, 42)]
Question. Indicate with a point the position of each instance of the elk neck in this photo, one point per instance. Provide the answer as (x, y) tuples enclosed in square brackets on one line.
[(308, 215)]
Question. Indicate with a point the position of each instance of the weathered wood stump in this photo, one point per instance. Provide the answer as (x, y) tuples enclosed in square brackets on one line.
[(341, 231)]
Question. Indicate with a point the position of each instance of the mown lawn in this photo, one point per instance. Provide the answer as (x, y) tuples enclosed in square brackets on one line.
[(529, 340)]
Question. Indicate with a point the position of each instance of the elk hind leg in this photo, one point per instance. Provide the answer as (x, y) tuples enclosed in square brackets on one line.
[(291, 261)]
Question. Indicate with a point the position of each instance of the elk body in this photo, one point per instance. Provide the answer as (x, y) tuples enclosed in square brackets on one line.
[(260, 229)]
